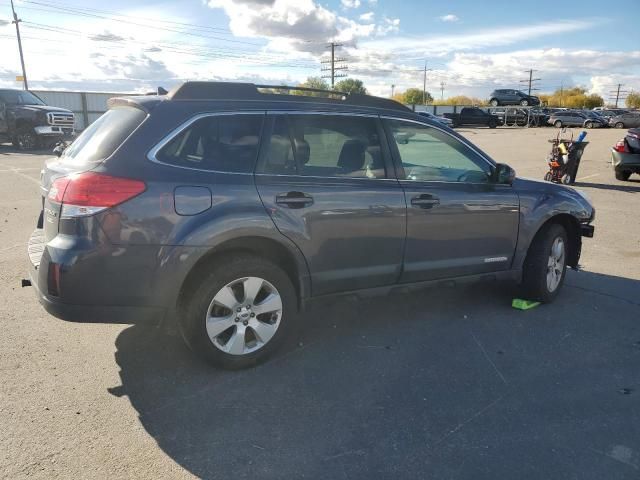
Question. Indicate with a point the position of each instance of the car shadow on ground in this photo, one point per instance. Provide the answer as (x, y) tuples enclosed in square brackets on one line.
[(8, 149), (439, 383), (632, 186)]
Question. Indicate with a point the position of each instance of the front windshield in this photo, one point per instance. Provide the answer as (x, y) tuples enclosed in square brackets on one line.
[(19, 97)]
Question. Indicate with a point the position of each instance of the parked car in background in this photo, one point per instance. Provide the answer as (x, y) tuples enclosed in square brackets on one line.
[(597, 116), (510, 115), (29, 123), (512, 97), (609, 112), (473, 116), (625, 120), (539, 116), (444, 120), (572, 118), (625, 155), (222, 211)]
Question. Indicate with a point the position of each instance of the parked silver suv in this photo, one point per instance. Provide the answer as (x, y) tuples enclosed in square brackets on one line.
[(573, 118)]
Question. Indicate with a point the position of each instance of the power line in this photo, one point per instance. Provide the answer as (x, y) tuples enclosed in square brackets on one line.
[(176, 47), (336, 65), (180, 30)]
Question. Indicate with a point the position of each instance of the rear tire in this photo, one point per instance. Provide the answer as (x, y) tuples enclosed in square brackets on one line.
[(548, 176), (524, 103), (208, 326), (622, 175), (619, 125), (494, 103), (589, 124), (558, 124), (546, 264)]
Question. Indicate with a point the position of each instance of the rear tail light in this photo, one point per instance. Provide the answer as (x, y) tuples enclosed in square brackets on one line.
[(89, 193), (621, 147)]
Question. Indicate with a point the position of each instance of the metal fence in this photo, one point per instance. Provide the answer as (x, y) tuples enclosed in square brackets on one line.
[(87, 106)]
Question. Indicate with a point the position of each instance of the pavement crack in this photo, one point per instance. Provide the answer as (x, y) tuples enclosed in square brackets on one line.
[(479, 413), (486, 355)]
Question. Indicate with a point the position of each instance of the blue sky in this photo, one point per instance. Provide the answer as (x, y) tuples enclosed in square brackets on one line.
[(470, 46)]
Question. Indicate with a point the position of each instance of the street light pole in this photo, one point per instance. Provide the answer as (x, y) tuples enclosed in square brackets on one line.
[(17, 21)]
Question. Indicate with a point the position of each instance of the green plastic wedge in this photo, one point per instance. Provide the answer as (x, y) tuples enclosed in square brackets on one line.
[(521, 304)]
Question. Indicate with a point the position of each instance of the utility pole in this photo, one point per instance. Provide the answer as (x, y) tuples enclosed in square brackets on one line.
[(17, 21), (530, 81), (442, 85), (561, 92), (393, 88), (618, 94), (335, 65)]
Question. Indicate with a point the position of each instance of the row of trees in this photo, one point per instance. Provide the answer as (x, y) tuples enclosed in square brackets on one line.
[(575, 97), (348, 85)]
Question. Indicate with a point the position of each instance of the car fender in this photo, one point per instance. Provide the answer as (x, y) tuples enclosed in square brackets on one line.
[(540, 202), (175, 262)]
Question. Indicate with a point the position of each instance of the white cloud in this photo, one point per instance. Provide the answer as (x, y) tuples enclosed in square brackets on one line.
[(367, 17), (106, 37), (431, 45), (300, 25), (449, 18), (388, 25), (350, 3)]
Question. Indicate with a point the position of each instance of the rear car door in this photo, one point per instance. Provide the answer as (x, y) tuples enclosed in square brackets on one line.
[(459, 222), (323, 179)]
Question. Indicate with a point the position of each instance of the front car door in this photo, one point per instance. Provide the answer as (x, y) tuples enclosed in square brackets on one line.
[(459, 222), (324, 180)]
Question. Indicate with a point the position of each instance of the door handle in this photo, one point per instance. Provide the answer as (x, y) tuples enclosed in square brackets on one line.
[(425, 201), (294, 200)]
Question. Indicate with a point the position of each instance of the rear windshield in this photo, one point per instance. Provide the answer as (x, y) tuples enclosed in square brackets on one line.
[(100, 139)]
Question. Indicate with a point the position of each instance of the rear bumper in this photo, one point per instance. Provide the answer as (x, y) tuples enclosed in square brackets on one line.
[(625, 161), (40, 260)]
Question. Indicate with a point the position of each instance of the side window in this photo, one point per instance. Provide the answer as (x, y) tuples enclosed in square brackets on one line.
[(224, 143), (325, 146), (430, 155)]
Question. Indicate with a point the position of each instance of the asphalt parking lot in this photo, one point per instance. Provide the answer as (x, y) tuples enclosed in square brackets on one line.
[(446, 383)]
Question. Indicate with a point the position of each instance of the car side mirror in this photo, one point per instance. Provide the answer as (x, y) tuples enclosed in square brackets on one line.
[(504, 174)]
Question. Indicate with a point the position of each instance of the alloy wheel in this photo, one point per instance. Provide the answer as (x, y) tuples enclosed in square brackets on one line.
[(555, 264), (244, 315)]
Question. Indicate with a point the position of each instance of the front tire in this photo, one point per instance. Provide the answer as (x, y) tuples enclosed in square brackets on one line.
[(494, 103), (619, 125), (240, 312), (589, 125), (546, 264), (558, 124), (524, 103)]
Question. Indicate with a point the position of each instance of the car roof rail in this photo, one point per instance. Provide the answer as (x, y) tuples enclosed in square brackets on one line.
[(249, 91)]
